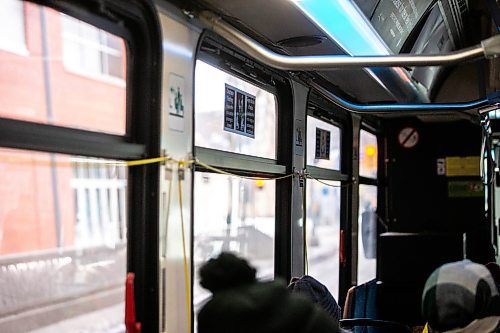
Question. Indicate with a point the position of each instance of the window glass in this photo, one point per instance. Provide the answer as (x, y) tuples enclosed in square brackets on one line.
[(323, 144), (72, 75), (62, 238), (323, 232), (210, 120), (241, 220), (367, 233), (368, 152), (12, 37)]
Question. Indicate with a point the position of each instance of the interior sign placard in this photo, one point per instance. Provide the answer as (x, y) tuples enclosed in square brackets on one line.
[(322, 144), (239, 112)]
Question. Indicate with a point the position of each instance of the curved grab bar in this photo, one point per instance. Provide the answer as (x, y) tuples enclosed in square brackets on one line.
[(488, 48)]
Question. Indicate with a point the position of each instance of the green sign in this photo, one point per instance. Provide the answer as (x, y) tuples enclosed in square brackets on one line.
[(465, 189)]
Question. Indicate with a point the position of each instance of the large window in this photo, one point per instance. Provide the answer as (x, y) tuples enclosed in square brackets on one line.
[(367, 214), (323, 202), (63, 183), (235, 131), (12, 36)]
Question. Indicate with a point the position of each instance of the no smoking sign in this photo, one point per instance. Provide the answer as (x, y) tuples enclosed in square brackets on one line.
[(408, 137)]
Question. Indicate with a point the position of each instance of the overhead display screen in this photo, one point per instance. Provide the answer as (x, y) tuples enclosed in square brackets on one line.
[(395, 19)]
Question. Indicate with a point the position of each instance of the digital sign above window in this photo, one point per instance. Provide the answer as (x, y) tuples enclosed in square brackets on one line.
[(395, 19)]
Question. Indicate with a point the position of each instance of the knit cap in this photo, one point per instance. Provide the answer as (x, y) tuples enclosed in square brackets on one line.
[(318, 293), (461, 297), (242, 304)]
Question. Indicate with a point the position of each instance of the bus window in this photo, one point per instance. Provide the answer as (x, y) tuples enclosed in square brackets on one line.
[(233, 118), (63, 237), (55, 69), (63, 218), (367, 218), (323, 203), (322, 136), (241, 220), (211, 84), (323, 232)]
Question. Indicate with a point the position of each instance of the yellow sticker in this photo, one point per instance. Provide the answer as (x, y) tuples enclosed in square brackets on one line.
[(462, 166)]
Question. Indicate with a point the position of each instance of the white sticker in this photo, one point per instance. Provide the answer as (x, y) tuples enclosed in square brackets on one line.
[(408, 137), (299, 137), (441, 166), (176, 102)]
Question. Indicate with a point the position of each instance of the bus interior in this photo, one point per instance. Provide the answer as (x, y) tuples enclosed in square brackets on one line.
[(356, 141)]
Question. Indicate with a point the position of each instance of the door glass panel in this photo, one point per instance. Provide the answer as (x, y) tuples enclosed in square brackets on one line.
[(323, 232)]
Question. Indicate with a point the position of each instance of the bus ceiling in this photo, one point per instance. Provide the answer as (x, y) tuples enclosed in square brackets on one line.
[(364, 71)]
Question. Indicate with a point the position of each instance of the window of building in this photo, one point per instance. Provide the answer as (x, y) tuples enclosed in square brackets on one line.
[(211, 114), (100, 195), (91, 51), (368, 151), (323, 144), (12, 32)]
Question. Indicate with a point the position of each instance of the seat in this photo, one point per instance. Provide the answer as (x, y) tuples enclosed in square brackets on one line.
[(361, 301), (405, 261)]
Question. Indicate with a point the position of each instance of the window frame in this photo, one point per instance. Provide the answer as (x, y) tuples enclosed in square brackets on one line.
[(376, 130), (142, 34), (323, 110), (216, 52), (231, 161), (318, 109)]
